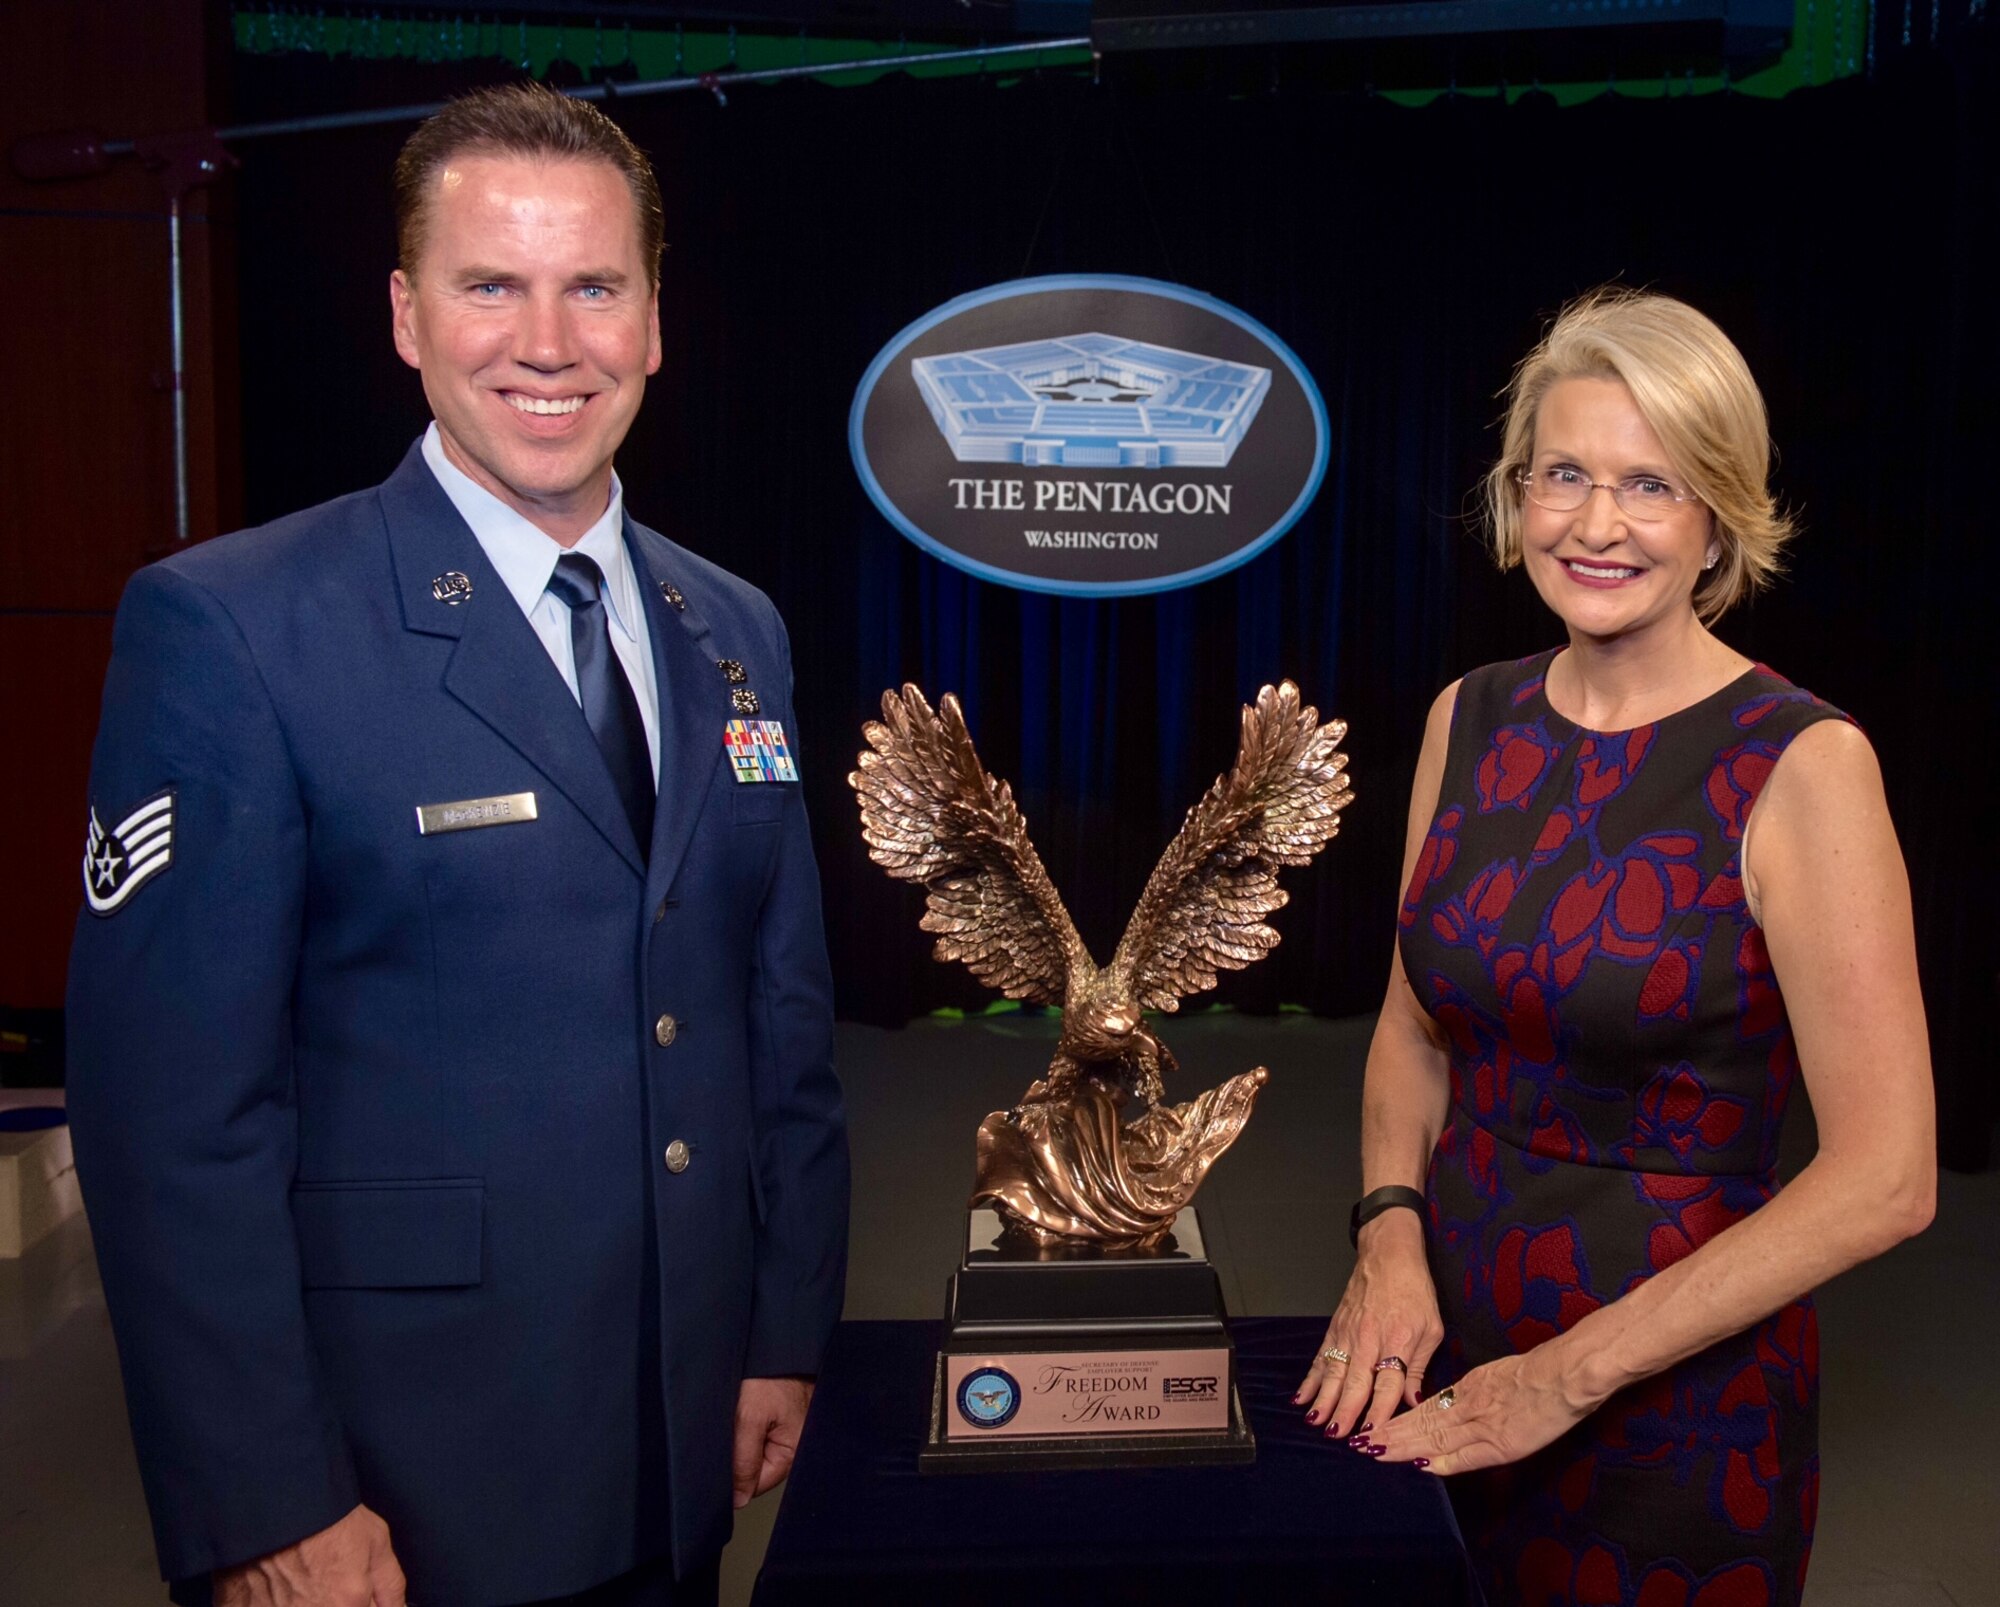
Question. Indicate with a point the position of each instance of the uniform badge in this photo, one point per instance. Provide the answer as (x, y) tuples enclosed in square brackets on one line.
[(452, 587), (672, 593), (989, 1397), (742, 700), (758, 751), (118, 862)]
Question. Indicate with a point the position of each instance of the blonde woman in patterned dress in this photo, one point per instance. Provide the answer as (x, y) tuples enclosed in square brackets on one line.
[(1648, 881)]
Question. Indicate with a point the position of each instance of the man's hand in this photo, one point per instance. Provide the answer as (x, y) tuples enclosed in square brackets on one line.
[(349, 1564), (769, 1414)]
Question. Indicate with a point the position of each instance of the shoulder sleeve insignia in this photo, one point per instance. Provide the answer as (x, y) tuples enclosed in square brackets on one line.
[(118, 862)]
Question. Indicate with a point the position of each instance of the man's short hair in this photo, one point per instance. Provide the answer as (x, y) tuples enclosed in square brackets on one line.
[(521, 120)]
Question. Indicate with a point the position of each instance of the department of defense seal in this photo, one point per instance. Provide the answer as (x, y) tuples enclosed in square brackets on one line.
[(989, 1397)]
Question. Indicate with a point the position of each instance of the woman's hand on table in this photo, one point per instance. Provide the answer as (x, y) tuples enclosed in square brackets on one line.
[(1389, 1310), (1501, 1412)]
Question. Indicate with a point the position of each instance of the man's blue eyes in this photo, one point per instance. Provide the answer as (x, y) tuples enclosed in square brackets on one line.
[(489, 292)]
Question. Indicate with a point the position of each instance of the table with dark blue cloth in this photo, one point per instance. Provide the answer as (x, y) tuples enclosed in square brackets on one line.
[(1310, 1521)]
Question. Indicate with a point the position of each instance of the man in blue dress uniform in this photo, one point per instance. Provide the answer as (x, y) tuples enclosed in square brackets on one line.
[(450, 1025)]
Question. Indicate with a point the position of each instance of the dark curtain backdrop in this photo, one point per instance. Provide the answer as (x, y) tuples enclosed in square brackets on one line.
[(1843, 236)]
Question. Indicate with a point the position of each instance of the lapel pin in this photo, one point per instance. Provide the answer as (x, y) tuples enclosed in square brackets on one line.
[(743, 700), (452, 588), (732, 672), (672, 593)]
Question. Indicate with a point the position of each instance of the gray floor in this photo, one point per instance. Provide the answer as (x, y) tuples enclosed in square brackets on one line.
[(1910, 1507)]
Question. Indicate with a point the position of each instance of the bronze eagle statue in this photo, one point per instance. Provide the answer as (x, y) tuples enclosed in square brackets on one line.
[(1064, 1166)]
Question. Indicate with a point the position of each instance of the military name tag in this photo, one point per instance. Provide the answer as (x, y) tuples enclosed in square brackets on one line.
[(464, 815)]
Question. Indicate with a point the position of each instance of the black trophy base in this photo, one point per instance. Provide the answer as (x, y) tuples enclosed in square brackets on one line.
[(1083, 1357)]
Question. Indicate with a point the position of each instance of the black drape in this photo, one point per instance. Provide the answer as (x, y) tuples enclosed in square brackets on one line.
[(1843, 236)]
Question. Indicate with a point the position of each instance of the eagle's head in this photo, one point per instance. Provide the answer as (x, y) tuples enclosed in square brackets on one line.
[(1101, 1028)]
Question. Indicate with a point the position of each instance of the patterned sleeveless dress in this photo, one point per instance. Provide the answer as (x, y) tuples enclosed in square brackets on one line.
[(1620, 1064)]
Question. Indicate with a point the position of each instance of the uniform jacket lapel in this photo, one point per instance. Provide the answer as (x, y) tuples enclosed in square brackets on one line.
[(694, 703), (499, 670)]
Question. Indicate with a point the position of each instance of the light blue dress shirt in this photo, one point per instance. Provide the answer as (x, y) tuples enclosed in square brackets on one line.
[(525, 557)]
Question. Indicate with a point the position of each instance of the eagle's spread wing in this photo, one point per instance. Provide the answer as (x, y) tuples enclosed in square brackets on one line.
[(931, 814), (1203, 910)]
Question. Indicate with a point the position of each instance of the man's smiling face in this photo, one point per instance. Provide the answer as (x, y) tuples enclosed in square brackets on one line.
[(534, 324)]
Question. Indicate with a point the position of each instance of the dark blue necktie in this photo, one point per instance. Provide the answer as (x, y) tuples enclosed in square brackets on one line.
[(608, 701)]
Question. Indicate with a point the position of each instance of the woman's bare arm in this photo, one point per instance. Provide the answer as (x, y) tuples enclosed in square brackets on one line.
[(1389, 1307)]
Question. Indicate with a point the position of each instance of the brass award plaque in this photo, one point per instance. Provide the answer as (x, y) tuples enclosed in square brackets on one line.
[(1085, 1323)]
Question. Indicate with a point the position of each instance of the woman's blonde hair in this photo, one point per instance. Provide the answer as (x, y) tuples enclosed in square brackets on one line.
[(1693, 388)]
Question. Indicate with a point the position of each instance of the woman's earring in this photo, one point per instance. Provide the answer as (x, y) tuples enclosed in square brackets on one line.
[(1711, 560)]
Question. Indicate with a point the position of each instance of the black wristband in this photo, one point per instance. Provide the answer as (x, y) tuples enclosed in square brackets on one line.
[(1374, 1203)]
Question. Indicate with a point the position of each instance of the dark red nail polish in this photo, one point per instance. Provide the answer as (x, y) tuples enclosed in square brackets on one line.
[(1298, 1397), (1357, 1443), (1313, 1415), (1378, 1450), (1420, 1462), (1364, 1428), (1333, 1431)]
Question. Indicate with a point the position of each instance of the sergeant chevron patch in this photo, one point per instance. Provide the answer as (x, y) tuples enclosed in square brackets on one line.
[(117, 863)]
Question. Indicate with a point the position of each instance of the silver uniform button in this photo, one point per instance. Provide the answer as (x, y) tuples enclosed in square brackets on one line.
[(666, 1029), (677, 1157)]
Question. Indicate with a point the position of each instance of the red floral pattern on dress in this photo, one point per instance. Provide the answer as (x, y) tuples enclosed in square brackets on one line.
[(1742, 1584), (1694, 1428), (1511, 770), (1788, 1349), (1677, 1112), (1549, 1574), (1696, 1206), (1539, 1284), (1433, 860), (1606, 765), (1733, 785)]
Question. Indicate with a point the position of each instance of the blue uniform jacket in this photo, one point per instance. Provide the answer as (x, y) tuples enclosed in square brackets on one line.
[(373, 1126)]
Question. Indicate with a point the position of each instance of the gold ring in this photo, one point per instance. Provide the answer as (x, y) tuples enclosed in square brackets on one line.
[(1335, 1353), (1446, 1398)]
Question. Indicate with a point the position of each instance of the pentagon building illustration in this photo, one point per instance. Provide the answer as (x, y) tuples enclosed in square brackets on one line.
[(1091, 400)]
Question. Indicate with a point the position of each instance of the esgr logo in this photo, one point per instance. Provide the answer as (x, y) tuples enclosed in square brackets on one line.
[(989, 1397), (1089, 435), (1190, 1389)]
